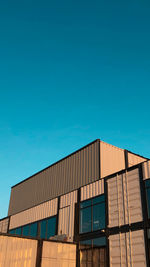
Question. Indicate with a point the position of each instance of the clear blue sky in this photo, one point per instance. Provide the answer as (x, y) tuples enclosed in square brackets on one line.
[(70, 72)]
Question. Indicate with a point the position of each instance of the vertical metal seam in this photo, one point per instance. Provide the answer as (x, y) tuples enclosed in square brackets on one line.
[(99, 160), (144, 212)]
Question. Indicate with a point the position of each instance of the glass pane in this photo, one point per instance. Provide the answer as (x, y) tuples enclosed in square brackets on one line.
[(147, 183), (99, 216), (51, 227), (18, 231), (43, 229), (85, 203), (99, 242), (85, 220), (25, 230), (33, 229), (12, 232), (99, 199), (148, 201), (85, 244)]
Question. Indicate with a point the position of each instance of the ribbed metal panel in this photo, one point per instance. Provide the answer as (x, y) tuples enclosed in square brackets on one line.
[(37, 213), (4, 225), (92, 190), (124, 199), (134, 159), (67, 175), (127, 249), (111, 159), (146, 170), (58, 255), (17, 252), (66, 214)]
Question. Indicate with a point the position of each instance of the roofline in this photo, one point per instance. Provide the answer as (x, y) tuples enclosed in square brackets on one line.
[(137, 155), (97, 140), (76, 151)]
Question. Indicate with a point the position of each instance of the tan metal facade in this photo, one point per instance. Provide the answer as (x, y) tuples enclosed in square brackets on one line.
[(146, 170), (67, 214), (58, 255), (111, 159), (34, 214), (92, 190), (127, 249), (124, 199), (22, 252), (17, 252), (4, 225), (67, 175), (134, 159)]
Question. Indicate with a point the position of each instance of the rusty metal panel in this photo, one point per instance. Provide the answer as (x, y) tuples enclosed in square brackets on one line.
[(34, 214), (58, 254), (66, 214), (4, 225), (72, 172), (146, 169), (111, 159), (17, 251), (127, 249), (134, 159), (124, 199), (92, 190)]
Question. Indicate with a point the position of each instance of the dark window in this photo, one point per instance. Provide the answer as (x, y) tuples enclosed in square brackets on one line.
[(93, 252), (85, 220), (18, 231), (92, 214), (12, 232), (43, 229), (25, 230), (33, 229), (99, 242), (147, 184), (51, 227)]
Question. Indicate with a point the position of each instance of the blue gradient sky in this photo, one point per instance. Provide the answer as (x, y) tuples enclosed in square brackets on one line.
[(70, 72)]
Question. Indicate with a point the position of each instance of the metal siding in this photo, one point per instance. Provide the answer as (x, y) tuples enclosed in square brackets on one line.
[(58, 255), (37, 213), (92, 190), (56, 180), (66, 214), (4, 225), (111, 159), (127, 249), (124, 199), (134, 159), (17, 252), (146, 170)]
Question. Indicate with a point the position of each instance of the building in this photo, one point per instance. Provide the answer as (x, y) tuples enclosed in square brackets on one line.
[(97, 200)]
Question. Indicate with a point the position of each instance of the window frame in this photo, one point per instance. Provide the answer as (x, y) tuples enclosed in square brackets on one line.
[(91, 200)]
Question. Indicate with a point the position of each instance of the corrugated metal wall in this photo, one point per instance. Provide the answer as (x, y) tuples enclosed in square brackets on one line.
[(67, 175), (58, 255), (124, 199), (17, 252), (34, 214), (111, 159), (127, 249), (66, 214), (134, 159), (146, 170), (92, 190), (4, 225)]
